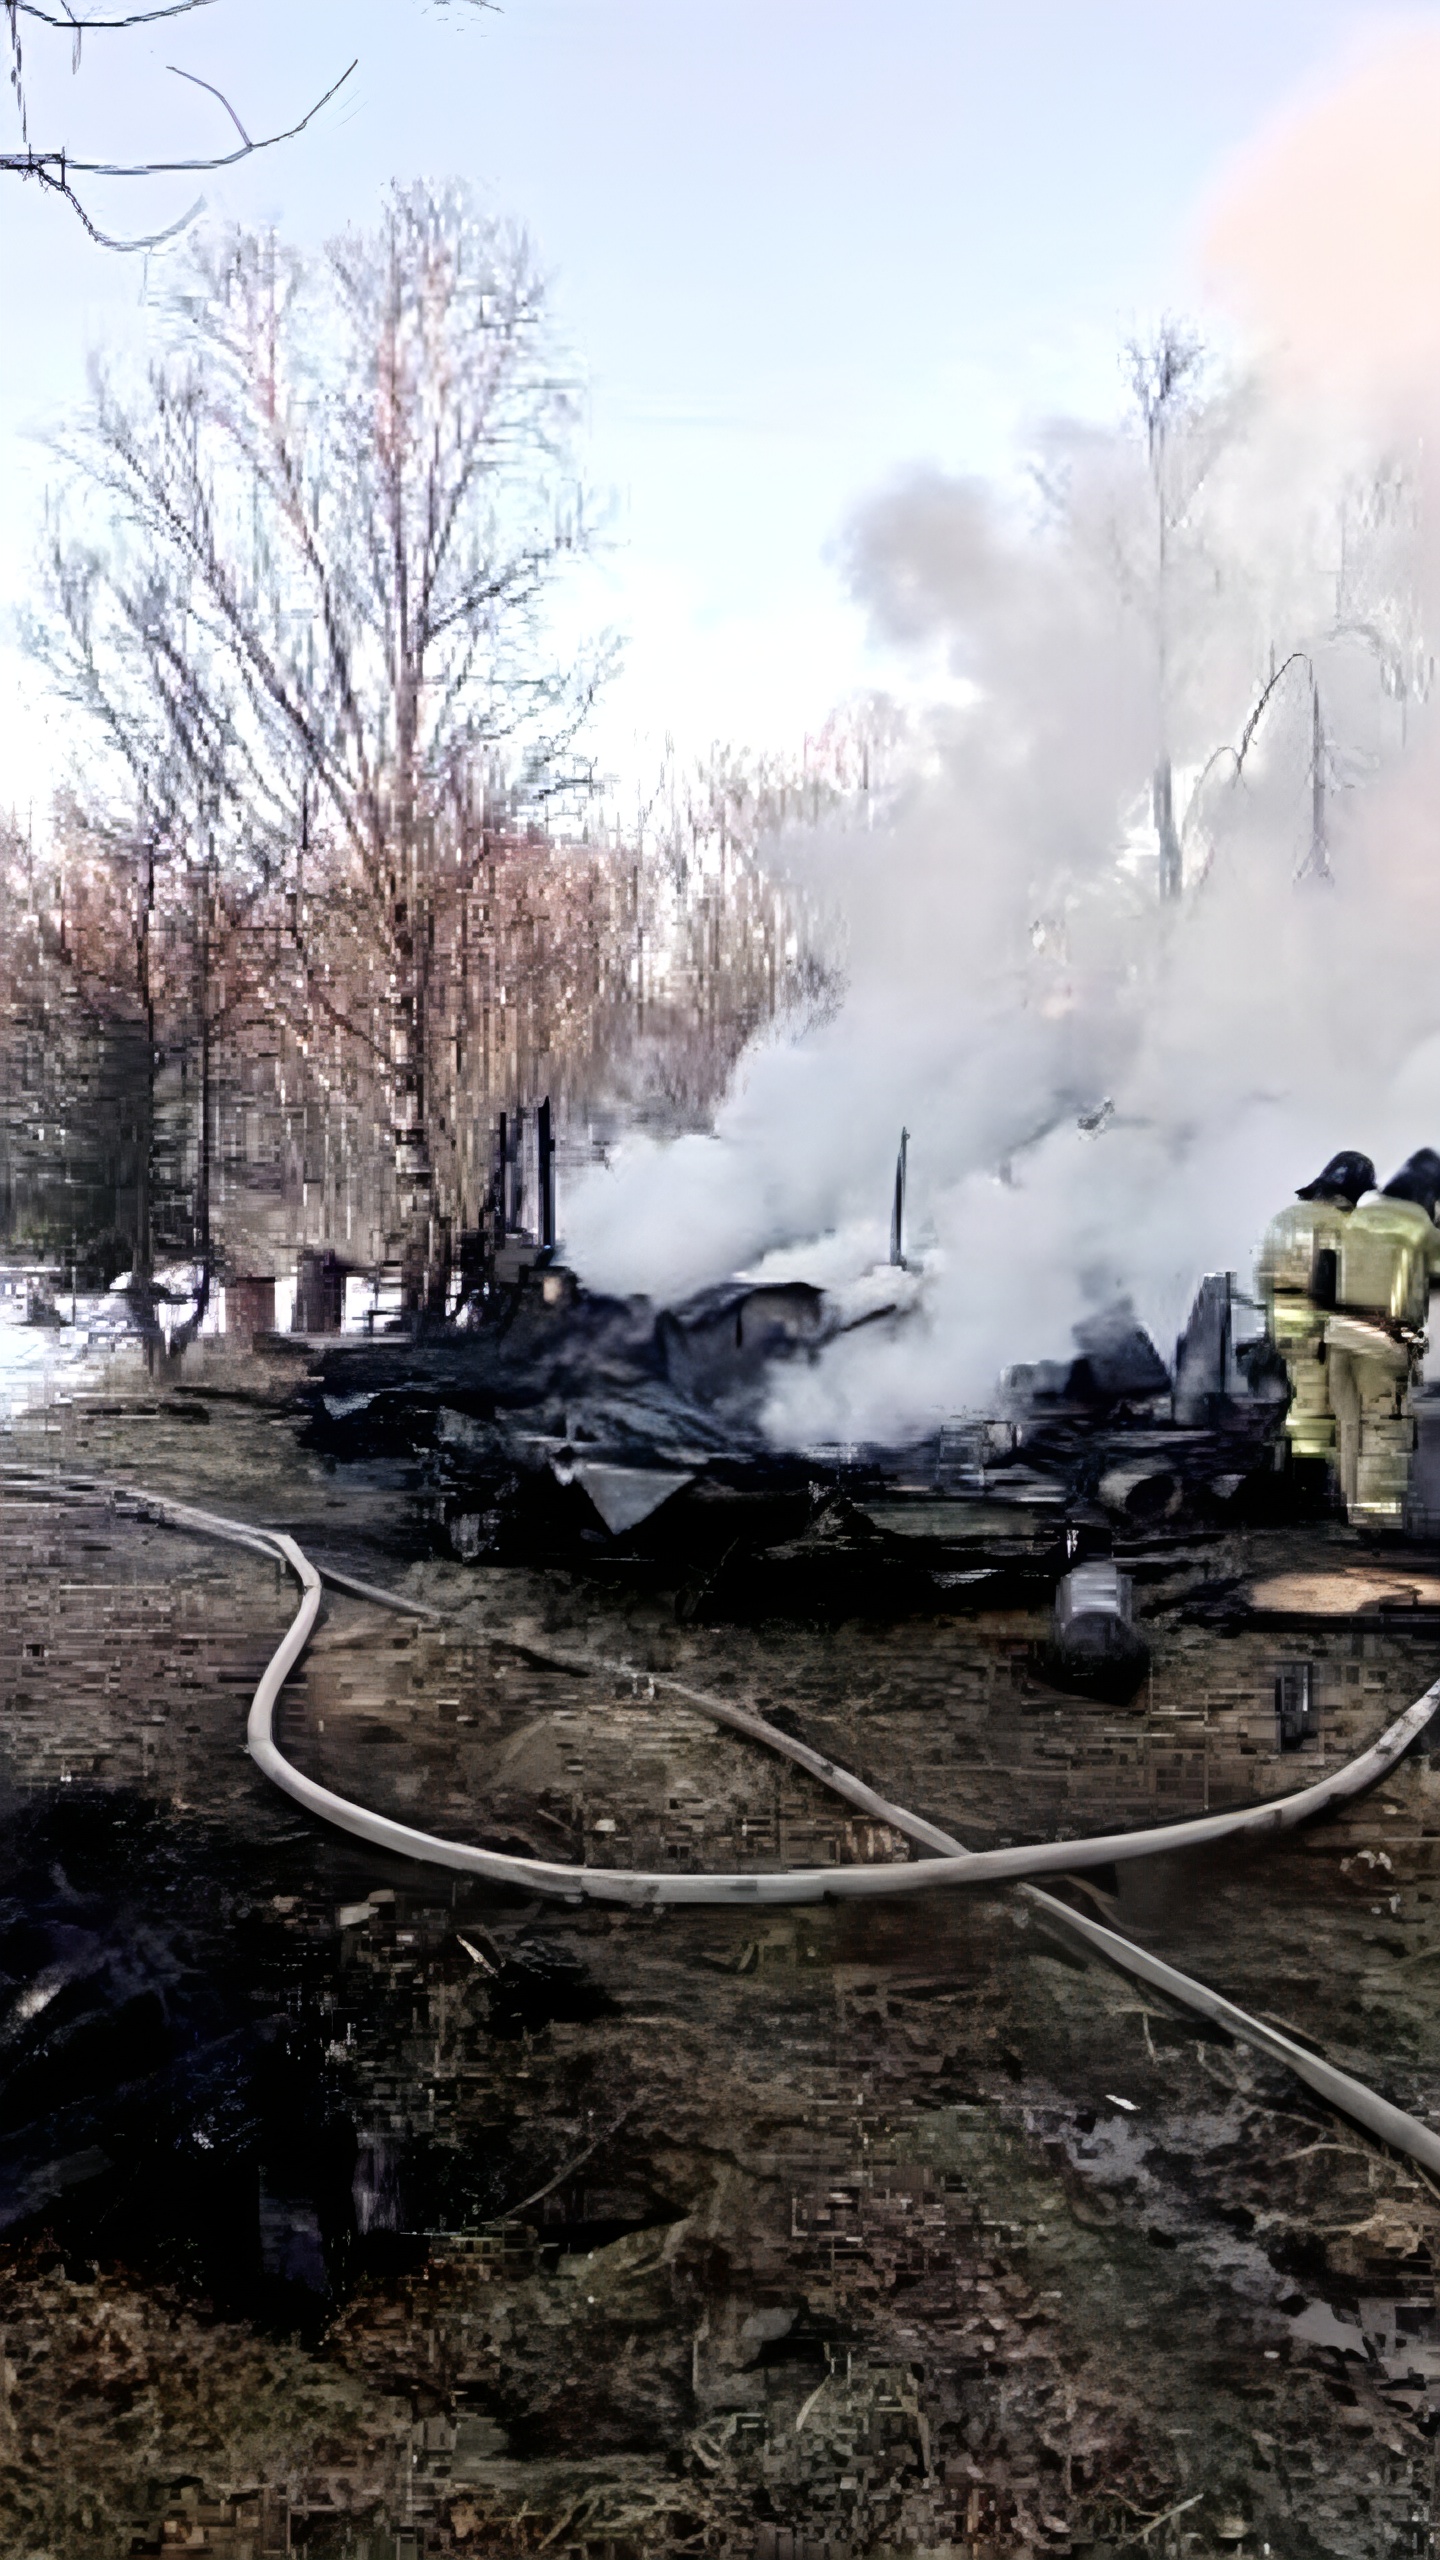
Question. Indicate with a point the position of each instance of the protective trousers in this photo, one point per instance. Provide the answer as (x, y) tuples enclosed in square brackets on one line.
[(1371, 1378), (1297, 1328)]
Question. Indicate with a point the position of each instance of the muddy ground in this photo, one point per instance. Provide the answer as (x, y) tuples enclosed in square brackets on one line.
[(349, 2209)]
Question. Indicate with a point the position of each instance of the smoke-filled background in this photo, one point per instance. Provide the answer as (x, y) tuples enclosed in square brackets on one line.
[(1152, 924)]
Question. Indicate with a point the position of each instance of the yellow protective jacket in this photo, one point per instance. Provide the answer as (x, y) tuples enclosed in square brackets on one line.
[(1389, 1259), (1290, 1265)]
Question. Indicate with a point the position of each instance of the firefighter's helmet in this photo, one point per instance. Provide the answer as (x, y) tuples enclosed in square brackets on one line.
[(1345, 1177), (1418, 1179)]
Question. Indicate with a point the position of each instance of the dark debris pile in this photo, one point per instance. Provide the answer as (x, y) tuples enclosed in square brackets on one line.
[(605, 1436)]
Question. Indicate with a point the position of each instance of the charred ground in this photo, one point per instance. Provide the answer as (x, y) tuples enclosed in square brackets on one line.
[(887, 2229)]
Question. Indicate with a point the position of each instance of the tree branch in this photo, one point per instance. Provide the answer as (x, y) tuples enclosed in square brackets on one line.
[(55, 172), (71, 23)]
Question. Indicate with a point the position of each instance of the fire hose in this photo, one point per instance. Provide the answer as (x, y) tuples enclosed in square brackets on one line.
[(948, 1863)]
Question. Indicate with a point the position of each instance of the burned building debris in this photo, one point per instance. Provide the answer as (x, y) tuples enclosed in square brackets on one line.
[(625, 1441)]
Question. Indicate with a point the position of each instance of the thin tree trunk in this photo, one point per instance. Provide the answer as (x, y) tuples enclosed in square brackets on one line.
[(200, 1223), (141, 1292)]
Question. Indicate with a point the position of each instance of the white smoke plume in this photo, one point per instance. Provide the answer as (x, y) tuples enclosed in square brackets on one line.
[(1012, 971)]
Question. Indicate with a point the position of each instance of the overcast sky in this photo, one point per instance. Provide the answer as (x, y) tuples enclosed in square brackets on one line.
[(797, 245)]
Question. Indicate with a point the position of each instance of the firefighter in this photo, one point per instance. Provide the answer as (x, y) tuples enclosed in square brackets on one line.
[(1297, 1278), (1389, 1259)]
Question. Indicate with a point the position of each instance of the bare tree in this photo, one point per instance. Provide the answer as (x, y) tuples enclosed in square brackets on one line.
[(140, 827), (341, 501), (1164, 376), (722, 940), (1357, 665)]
